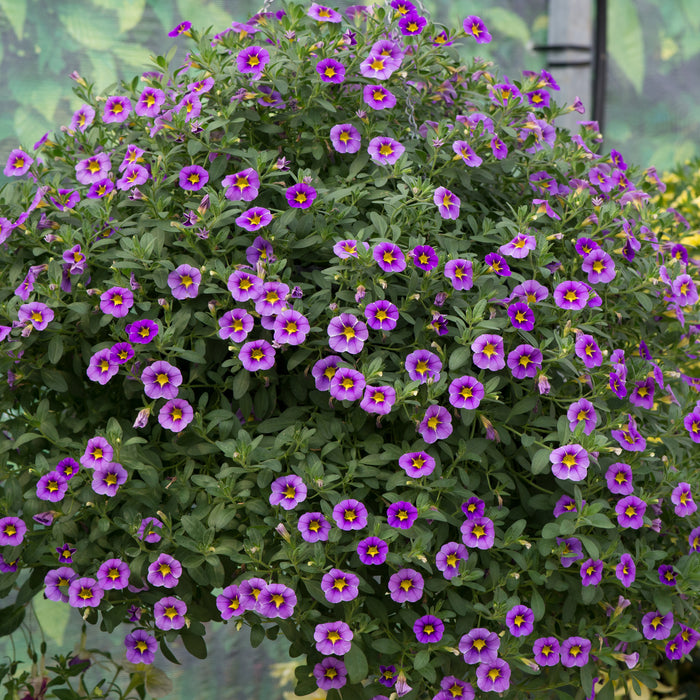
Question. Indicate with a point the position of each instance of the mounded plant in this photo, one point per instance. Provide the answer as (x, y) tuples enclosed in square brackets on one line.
[(323, 333)]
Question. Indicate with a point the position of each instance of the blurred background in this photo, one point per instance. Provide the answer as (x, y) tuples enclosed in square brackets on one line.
[(640, 79)]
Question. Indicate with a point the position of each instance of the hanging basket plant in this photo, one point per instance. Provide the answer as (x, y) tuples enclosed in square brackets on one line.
[(326, 334)]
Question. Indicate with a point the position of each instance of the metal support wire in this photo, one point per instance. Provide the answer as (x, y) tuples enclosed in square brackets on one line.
[(600, 60)]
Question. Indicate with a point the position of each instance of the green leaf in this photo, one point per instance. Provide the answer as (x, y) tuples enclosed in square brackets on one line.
[(540, 461), (537, 604), (241, 382), (356, 664), (626, 41), (459, 357), (157, 682), (257, 635), (195, 645), (421, 660), (385, 646), (55, 349), (54, 380)]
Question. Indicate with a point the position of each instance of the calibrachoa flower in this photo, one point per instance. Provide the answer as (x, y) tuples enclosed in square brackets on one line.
[(682, 499), (493, 676), (372, 550), (448, 558), (466, 392), (193, 178), (412, 24), (582, 411), (347, 334), (382, 315), (378, 399), (256, 355), (684, 290), (67, 468), (447, 203), (288, 491), (667, 575), (591, 572), (300, 196), (571, 295), (244, 286), (478, 532), (574, 651), (56, 583), (572, 550), (82, 118), (546, 651), (347, 384), (107, 479), (323, 14), (474, 27), (423, 366), (101, 368), (467, 154), (149, 103), (116, 301), (97, 453), (184, 281), (140, 647), (520, 620), (254, 219), (339, 586), (569, 462), (453, 688), (330, 70), (530, 291), (628, 437), (626, 570), (235, 324), (473, 508), (142, 331), (428, 629), (587, 349), (175, 415), (350, 514), (525, 361), (436, 424), (18, 163), (655, 625), (38, 314), (619, 478), (230, 603), (520, 246), (378, 97), (384, 150), (498, 265), (113, 574), (323, 371), (630, 512), (333, 638), (425, 257), (521, 316), (165, 571), (93, 169), (272, 298), (460, 274), (599, 266), (12, 531), (84, 593), (488, 352), (387, 676), (169, 613), (249, 591), (406, 586), (276, 600), (149, 530), (401, 514), (313, 527), (290, 327), (243, 185), (52, 487), (643, 393), (479, 646), (330, 673), (161, 380), (117, 109), (389, 257), (345, 138), (252, 60), (417, 464)]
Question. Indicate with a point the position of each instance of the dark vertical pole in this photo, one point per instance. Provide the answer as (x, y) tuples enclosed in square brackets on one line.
[(600, 61)]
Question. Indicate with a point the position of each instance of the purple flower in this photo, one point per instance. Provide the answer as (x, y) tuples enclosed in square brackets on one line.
[(330, 70), (181, 28), (82, 118), (587, 349), (693, 539), (389, 257), (378, 399), (574, 651), (582, 411), (235, 324), (252, 59), (52, 487), (345, 138), (140, 647), (314, 527), (117, 109), (488, 352), (525, 361), (244, 286), (107, 479), (161, 380), (569, 462), (323, 14), (626, 571), (425, 257), (142, 331), (383, 315), (323, 371), (459, 272), (479, 646), (619, 478), (257, 355), (423, 366), (520, 620), (466, 153), (97, 453), (682, 499), (169, 613), (300, 196), (630, 512), (657, 626), (617, 384), (254, 219), (473, 508), (428, 629), (417, 464), (333, 638), (249, 592), (546, 651), (176, 415), (12, 531), (531, 291), (67, 468), (387, 676), (478, 532), (684, 290), (93, 169), (519, 247), (350, 514), (493, 676), (691, 422), (272, 298), (401, 514), (101, 368), (384, 150), (473, 26), (436, 424), (571, 295), (643, 393), (330, 673), (193, 178), (377, 66), (667, 575), (56, 582), (243, 185), (36, 313), (466, 392), (448, 558), (378, 97), (65, 553), (339, 586), (164, 571), (133, 176), (497, 264), (290, 327), (347, 384), (84, 593), (688, 638), (149, 103), (412, 24), (406, 585), (538, 98), (120, 353), (184, 282), (591, 572), (572, 550), (447, 203), (100, 189), (288, 491), (347, 334), (113, 574), (230, 603), (149, 530), (116, 301), (599, 266), (372, 551), (629, 438)]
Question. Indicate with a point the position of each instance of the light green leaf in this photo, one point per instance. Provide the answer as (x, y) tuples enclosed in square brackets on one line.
[(625, 41), (16, 12)]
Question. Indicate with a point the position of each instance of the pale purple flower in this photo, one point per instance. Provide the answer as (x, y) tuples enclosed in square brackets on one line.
[(574, 651), (175, 415), (478, 532), (82, 118), (97, 453), (165, 571), (288, 491), (530, 291), (254, 219), (235, 324), (643, 393), (184, 281), (340, 586), (52, 487), (626, 570), (193, 178), (684, 290), (459, 272), (314, 527), (244, 286), (257, 355), (56, 583), (113, 574), (599, 266), (345, 138), (488, 352), (520, 620), (572, 550), (290, 327), (330, 673), (619, 479), (378, 97), (389, 257), (321, 13), (436, 424), (475, 27), (378, 399), (161, 380), (447, 203), (629, 437), (682, 499), (107, 479), (116, 301), (36, 313), (347, 333), (347, 384), (479, 645), (630, 512), (423, 366), (569, 462), (467, 154), (243, 185), (448, 558), (333, 638), (149, 530), (493, 676), (417, 464), (525, 361), (149, 103), (276, 600), (93, 169), (591, 572), (133, 176), (350, 514), (546, 651), (406, 585), (84, 593), (12, 531), (140, 647), (323, 371), (377, 66), (587, 349), (117, 109), (384, 150), (571, 295), (520, 246), (101, 368)]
